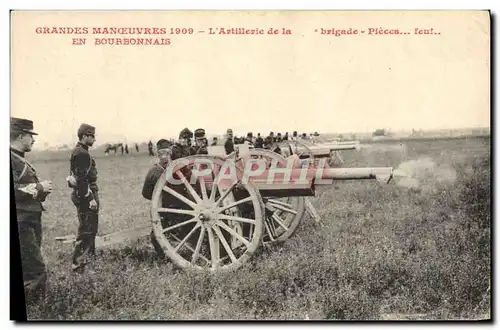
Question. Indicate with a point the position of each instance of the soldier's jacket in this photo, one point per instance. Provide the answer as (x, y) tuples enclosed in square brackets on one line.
[(199, 150), (83, 168), (180, 151), (229, 146), (152, 177), (29, 193), (259, 143)]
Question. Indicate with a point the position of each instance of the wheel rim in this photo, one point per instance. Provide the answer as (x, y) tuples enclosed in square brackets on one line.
[(282, 215), (211, 225)]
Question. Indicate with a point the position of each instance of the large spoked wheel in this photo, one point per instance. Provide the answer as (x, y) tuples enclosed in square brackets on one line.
[(282, 214), (205, 218)]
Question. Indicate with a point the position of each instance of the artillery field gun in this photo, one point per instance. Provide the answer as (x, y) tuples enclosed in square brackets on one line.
[(212, 212)]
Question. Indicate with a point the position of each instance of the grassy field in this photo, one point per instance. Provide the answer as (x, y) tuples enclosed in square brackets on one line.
[(416, 248)]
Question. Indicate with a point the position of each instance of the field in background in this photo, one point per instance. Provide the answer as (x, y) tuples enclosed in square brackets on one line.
[(418, 246)]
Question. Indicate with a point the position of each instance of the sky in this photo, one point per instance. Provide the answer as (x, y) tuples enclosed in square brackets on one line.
[(304, 81)]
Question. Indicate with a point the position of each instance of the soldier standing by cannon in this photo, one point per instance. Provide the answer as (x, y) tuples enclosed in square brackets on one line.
[(229, 144), (201, 143), (83, 180), (259, 142), (164, 152), (29, 192), (181, 148)]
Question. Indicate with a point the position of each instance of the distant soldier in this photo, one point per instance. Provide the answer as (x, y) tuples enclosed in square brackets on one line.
[(137, 147), (164, 152), (278, 138), (229, 144), (121, 147), (201, 143), (85, 197), (271, 134), (181, 148), (259, 142), (214, 141), (285, 137), (150, 148), (126, 149), (271, 145), (294, 136), (30, 192), (249, 138)]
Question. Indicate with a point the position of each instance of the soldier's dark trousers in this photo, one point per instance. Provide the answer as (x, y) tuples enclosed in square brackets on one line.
[(87, 231), (33, 265)]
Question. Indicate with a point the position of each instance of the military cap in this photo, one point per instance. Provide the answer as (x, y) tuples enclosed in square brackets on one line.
[(199, 133), (21, 125), (185, 134), (163, 144), (86, 129)]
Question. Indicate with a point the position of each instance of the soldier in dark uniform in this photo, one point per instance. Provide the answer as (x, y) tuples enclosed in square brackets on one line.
[(278, 138), (201, 143), (249, 138), (85, 197), (214, 141), (30, 192), (164, 152), (259, 142), (271, 145), (150, 148), (229, 144), (181, 148), (285, 137), (137, 147)]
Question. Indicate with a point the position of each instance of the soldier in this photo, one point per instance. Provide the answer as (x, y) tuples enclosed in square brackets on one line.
[(271, 134), (271, 145), (249, 138), (126, 149), (137, 147), (259, 142), (30, 192), (85, 197), (201, 143), (294, 136), (181, 148), (229, 144), (278, 138), (214, 141), (285, 138), (150, 148), (164, 152)]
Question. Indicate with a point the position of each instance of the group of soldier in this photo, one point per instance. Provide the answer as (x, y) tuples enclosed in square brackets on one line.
[(31, 192)]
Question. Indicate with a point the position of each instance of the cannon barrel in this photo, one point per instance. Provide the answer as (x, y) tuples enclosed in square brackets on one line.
[(381, 174)]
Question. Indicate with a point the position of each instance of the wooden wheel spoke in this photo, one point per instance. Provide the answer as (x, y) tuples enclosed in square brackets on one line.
[(225, 194), (196, 252), (268, 230), (225, 244), (233, 232), (213, 249), (241, 201), (179, 225), (188, 246), (240, 219), (203, 188), (187, 237), (285, 209), (278, 220), (277, 202), (179, 196), (188, 186), (176, 211)]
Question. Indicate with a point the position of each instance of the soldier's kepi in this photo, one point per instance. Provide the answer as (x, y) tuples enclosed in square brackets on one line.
[(30, 192), (83, 181)]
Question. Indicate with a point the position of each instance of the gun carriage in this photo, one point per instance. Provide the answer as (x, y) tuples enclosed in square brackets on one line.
[(212, 212)]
